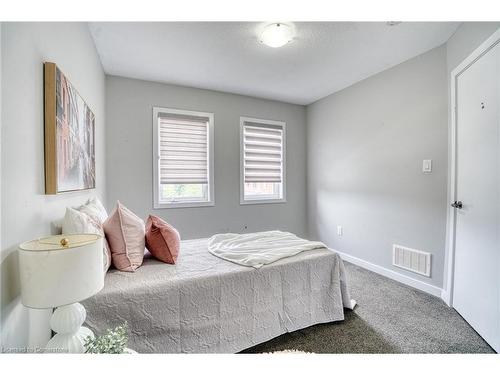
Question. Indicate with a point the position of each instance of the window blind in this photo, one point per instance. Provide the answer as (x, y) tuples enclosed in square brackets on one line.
[(183, 147), (263, 152)]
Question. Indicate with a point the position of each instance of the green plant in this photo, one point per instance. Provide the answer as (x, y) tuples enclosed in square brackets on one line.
[(113, 341)]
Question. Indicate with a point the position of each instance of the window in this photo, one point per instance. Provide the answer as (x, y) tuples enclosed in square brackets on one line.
[(183, 158), (262, 160)]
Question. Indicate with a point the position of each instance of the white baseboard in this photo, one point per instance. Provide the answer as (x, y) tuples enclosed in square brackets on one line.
[(417, 284), (445, 296)]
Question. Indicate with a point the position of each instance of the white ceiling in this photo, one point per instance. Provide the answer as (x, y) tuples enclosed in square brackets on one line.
[(324, 57)]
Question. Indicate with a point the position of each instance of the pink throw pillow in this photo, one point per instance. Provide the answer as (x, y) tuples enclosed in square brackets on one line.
[(125, 234), (162, 240)]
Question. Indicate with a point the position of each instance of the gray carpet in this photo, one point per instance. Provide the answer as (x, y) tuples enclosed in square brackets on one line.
[(390, 318)]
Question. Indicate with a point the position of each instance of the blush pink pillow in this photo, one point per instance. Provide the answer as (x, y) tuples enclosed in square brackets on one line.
[(162, 240), (125, 234)]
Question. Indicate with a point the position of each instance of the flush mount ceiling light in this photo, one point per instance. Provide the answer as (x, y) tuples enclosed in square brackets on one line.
[(276, 35)]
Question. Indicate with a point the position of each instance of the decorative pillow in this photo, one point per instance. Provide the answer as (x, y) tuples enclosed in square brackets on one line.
[(162, 240), (94, 208), (75, 222), (125, 234)]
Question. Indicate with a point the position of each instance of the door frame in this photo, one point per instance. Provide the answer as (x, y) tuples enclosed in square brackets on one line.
[(488, 44)]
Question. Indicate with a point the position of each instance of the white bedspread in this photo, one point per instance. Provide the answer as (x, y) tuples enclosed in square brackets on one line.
[(258, 249)]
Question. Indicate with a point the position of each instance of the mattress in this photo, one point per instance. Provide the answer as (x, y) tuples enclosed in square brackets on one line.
[(204, 304)]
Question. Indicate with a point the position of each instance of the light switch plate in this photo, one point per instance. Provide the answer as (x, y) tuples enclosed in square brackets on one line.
[(427, 166)]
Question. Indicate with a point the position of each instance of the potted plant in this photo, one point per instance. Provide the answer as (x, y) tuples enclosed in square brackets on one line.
[(114, 341)]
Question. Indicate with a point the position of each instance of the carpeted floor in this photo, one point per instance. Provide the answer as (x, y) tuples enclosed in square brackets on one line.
[(390, 318)]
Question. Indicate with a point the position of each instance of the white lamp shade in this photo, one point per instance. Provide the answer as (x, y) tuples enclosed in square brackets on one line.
[(54, 275)]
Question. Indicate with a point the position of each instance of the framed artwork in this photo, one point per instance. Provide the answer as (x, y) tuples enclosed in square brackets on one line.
[(69, 135)]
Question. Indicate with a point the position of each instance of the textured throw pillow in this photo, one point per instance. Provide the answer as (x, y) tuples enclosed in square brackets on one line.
[(94, 208), (162, 240), (76, 222), (125, 234)]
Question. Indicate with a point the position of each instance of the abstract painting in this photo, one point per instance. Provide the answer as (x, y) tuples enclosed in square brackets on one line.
[(69, 135)]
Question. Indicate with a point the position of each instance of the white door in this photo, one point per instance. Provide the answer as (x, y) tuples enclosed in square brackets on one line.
[(476, 289)]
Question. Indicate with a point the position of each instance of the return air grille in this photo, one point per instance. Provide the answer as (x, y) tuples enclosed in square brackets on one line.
[(412, 260)]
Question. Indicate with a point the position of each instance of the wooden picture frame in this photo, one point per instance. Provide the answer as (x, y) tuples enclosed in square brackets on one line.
[(69, 127)]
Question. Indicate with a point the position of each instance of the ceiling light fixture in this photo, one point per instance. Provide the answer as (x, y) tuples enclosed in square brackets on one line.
[(276, 35)]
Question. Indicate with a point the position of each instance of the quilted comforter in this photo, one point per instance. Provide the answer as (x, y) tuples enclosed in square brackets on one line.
[(204, 304)]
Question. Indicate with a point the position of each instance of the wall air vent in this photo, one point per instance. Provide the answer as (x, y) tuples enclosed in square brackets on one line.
[(412, 260)]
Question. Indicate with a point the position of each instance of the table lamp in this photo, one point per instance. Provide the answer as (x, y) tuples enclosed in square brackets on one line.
[(60, 271)]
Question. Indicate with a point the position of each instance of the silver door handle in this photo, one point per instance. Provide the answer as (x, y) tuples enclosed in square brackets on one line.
[(457, 204)]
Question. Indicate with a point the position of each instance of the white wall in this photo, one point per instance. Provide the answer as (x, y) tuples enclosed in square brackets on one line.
[(130, 157), (365, 148), (26, 212)]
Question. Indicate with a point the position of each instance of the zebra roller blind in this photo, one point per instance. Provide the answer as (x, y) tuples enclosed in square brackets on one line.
[(262, 152), (183, 149)]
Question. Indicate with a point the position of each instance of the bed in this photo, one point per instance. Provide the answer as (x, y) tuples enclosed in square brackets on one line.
[(204, 304)]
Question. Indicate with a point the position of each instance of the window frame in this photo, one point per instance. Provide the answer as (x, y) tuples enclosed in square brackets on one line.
[(261, 200), (184, 202)]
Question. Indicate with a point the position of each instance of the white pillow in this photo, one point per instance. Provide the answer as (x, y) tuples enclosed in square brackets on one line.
[(76, 222), (94, 208)]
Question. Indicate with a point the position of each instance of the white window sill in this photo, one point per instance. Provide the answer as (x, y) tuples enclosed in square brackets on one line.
[(261, 201), (183, 204)]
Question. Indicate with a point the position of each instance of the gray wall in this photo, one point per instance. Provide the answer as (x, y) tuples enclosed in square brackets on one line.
[(130, 157), (466, 39), (26, 212), (365, 148)]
